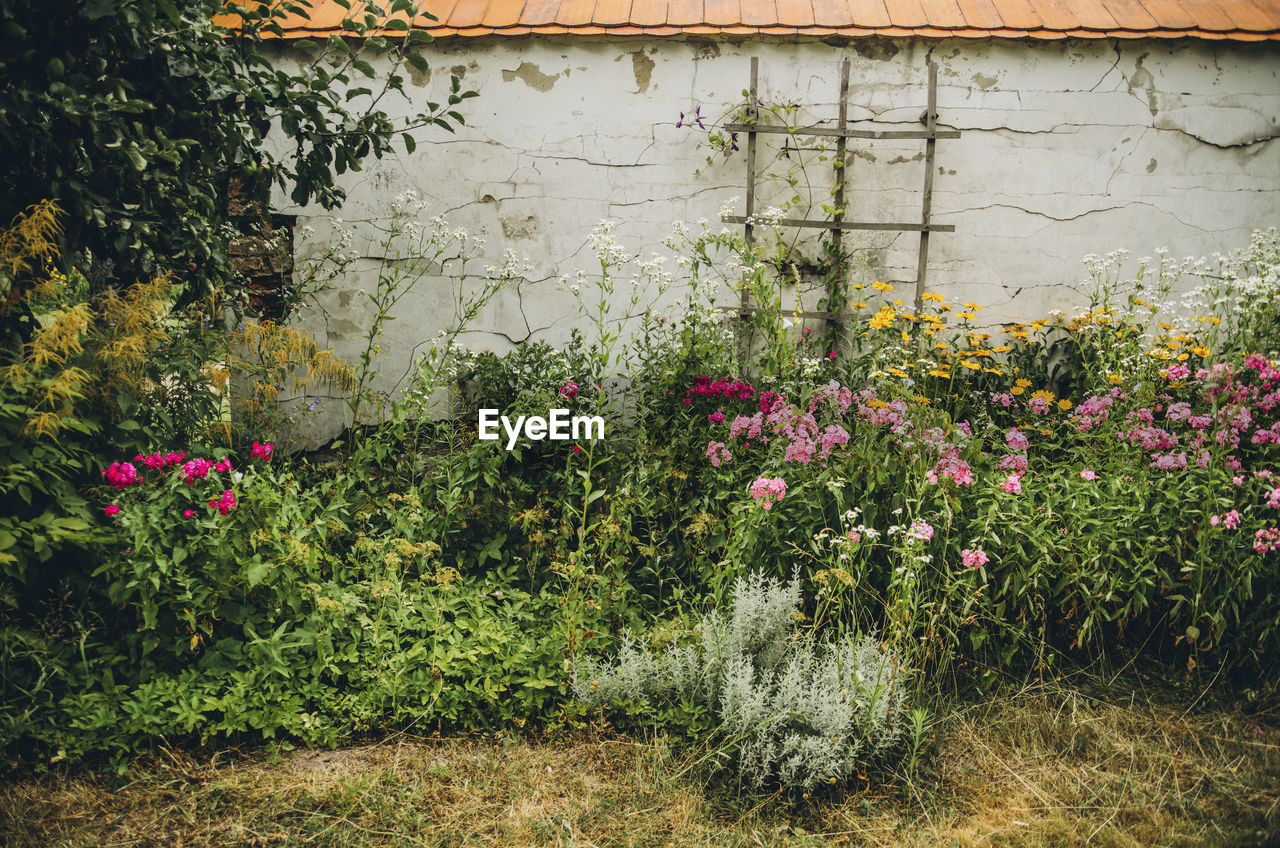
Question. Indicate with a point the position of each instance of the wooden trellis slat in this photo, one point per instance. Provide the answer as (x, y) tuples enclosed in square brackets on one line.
[(841, 132)]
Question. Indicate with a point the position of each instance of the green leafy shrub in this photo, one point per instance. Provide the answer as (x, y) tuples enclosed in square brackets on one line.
[(788, 707)]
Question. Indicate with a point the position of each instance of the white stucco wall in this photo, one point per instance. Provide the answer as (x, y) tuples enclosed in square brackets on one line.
[(1067, 148)]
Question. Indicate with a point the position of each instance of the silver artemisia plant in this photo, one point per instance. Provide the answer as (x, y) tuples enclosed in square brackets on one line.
[(791, 708)]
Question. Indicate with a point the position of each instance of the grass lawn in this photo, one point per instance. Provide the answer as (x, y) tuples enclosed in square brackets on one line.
[(1129, 763)]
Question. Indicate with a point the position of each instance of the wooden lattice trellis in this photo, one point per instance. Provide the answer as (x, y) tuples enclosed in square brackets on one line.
[(842, 133)]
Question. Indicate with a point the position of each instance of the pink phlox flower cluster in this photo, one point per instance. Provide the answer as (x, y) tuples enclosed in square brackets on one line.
[(1273, 498), (196, 469), (718, 453), (1177, 371), (158, 460), (1267, 435), (1266, 540), (1203, 459), (121, 475), (768, 491), (728, 388), (224, 465), (1088, 474), (799, 450), (1016, 440), (893, 415), (1146, 416), (111, 510), (965, 429), (1233, 462), (1199, 422), (1002, 399), (1231, 520), (1016, 462), (1269, 401), (262, 451), (569, 390), (921, 530), (188, 513), (951, 465), (716, 417), (1012, 484), (225, 503), (750, 427), (834, 395), (1229, 439), (1267, 372), (974, 558), (1151, 438), (1236, 417), (1039, 405), (768, 400), (1168, 461), (832, 435), (1178, 411), (1091, 412)]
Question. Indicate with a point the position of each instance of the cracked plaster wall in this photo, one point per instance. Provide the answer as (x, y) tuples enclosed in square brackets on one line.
[(1067, 148)]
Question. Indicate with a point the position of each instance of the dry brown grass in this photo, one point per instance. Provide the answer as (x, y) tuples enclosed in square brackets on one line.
[(1043, 765)]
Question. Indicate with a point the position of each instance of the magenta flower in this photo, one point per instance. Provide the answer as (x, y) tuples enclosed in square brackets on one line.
[(262, 452), (569, 390), (188, 513), (113, 509), (716, 417), (196, 469), (974, 558), (121, 475), (223, 465), (225, 503)]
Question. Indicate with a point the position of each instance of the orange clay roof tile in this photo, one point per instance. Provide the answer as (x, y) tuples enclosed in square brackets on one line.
[(467, 13), (869, 13), (499, 13), (797, 13), (1241, 20), (943, 13), (722, 13), (612, 13), (685, 13), (648, 13), (573, 13), (1093, 14), (907, 14), (1130, 14), (539, 12), (981, 14), (762, 13)]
